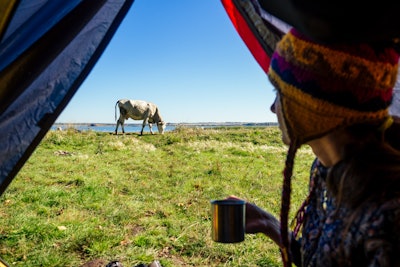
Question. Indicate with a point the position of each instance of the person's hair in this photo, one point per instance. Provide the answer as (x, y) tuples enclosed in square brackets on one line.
[(369, 171), (370, 168)]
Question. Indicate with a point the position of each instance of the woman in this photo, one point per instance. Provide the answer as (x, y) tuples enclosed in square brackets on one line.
[(335, 99)]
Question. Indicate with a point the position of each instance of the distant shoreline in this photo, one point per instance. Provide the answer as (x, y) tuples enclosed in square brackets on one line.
[(61, 124)]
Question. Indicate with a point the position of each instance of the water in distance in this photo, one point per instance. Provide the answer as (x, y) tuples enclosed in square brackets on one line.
[(135, 128), (129, 128)]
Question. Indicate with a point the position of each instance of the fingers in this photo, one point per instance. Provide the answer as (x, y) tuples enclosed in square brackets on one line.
[(233, 197)]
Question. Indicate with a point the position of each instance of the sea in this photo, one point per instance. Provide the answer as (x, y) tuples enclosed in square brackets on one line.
[(133, 127), (129, 128)]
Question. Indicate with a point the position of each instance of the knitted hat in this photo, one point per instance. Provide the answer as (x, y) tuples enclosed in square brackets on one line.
[(325, 87)]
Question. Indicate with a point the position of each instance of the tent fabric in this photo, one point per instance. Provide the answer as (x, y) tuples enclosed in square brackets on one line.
[(341, 20), (6, 10), (47, 49), (258, 29)]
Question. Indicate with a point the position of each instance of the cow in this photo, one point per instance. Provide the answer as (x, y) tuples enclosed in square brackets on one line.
[(139, 110)]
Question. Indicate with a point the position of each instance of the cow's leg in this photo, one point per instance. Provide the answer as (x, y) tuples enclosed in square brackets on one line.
[(141, 131), (146, 116), (121, 121), (150, 126), (122, 126), (116, 128), (143, 125)]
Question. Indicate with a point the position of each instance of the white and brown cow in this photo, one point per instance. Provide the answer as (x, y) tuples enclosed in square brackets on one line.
[(139, 110)]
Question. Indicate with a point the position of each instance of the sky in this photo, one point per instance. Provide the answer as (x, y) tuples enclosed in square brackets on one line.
[(184, 56)]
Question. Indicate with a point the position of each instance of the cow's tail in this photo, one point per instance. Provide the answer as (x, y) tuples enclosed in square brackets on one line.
[(116, 109)]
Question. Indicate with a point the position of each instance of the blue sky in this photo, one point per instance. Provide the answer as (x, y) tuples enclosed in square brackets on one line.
[(186, 57)]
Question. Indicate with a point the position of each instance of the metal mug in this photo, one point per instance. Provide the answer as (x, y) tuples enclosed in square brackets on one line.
[(228, 220)]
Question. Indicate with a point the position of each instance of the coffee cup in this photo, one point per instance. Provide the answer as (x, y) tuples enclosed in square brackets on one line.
[(228, 220)]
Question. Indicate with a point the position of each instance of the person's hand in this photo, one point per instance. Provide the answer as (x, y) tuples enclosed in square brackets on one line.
[(260, 221)]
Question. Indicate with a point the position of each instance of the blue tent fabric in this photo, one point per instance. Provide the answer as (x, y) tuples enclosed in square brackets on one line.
[(46, 52)]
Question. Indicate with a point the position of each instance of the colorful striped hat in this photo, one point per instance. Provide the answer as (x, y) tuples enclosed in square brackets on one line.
[(325, 87)]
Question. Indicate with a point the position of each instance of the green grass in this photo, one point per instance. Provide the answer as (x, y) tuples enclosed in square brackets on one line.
[(90, 195)]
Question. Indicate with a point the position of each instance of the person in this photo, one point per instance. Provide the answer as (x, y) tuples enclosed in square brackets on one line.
[(335, 98)]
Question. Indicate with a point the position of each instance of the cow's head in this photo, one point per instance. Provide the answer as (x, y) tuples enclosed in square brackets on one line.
[(161, 126)]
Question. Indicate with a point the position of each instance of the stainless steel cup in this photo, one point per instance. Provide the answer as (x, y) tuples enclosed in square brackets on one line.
[(228, 220)]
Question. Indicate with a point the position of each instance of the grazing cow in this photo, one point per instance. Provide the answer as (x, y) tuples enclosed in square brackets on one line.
[(138, 110)]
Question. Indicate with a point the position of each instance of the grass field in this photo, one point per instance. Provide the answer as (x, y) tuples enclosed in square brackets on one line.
[(88, 195)]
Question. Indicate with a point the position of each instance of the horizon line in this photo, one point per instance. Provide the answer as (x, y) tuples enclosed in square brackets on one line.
[(171, 123)]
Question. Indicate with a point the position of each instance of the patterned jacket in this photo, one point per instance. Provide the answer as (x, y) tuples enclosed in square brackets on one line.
[(371, 239)]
